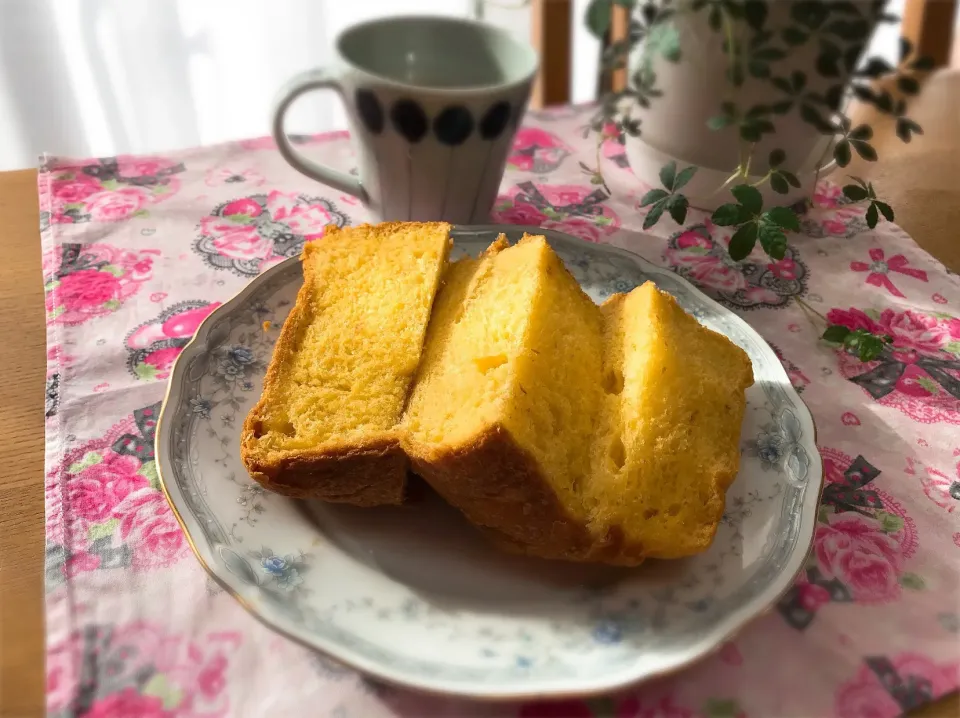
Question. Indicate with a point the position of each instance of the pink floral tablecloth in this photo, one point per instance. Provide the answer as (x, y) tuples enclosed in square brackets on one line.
[(138, 250)]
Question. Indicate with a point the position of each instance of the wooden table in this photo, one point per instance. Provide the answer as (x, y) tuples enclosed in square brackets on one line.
[(921, 180)]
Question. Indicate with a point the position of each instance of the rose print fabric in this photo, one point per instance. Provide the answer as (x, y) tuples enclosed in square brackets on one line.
[(137, 251)]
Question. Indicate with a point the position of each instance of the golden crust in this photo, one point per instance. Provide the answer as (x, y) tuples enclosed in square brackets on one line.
[(371, 475), (500, 489)]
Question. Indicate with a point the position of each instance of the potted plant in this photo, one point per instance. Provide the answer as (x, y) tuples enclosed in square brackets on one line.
[(739, 107)]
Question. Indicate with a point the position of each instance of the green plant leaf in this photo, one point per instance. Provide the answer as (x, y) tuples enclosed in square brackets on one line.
[(729, 215), (865, 150), (876, 67), (867, 350), (777, 158), (854, 192), (755, 13), (841, 153), (718, 122), (781, 108), (758, 69), (782, 84), (872, 215), (684, 176), (715, 18), (884, 101), (828, 65), (668, 42), (102, 530), (913, 582), (743, 241), (783, 217), (810, 13), (885, 209), (653, 216), (861, 132), (791, 178), (677, 206), (906, 126), (735, 74), (844, 7), (833, 97), (889, 523), (668, 175), (794, 36), (906, 48), (749, 197), (779, 183), (654, 195), (848, 30), (773, 240), (836, 333), (760, 38), (599, 13), (908, 85), (867, 345), (750, 133), (811, 115), (769, 54)]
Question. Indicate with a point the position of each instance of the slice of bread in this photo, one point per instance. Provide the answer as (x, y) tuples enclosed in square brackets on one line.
[(667, 443), (326, 425), (567, 430), (502, 413)]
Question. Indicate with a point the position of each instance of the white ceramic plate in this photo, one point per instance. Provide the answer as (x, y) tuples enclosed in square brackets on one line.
[(413, 595)]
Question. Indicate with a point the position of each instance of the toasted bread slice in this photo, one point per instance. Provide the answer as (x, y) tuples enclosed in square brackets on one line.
[(501, 415), (326, 424), (667, 443)]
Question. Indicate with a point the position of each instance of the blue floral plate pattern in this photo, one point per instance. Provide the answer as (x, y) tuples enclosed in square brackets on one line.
[(413, 595)]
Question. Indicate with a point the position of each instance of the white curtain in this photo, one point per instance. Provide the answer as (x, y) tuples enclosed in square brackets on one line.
[(102, 77)]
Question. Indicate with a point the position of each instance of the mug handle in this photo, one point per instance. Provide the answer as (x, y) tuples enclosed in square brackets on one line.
[(299, 85)]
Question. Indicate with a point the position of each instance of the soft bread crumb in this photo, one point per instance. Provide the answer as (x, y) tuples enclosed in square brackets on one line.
[(343, 364)]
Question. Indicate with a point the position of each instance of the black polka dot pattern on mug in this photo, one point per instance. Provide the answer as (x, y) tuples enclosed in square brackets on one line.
[(453, 126), (495, 121), (370, 111), (409, 120)]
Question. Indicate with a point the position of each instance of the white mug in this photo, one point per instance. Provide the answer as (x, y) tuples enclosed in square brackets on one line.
[(433, 105)]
